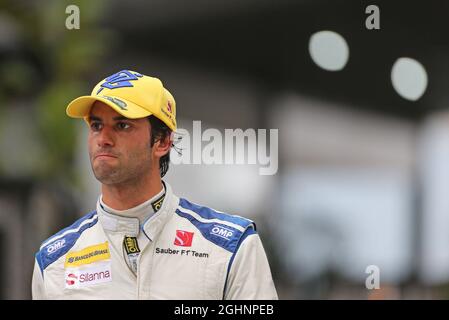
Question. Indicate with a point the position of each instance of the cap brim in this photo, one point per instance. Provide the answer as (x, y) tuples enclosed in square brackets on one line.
[(80, 107)]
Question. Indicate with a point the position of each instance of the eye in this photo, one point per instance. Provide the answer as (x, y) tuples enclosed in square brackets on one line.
[(123, 125), (96, 126)]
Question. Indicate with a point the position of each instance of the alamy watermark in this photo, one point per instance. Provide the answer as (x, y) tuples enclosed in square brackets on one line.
[(372, 22), (73, 20), (233, 146), (373, 280)]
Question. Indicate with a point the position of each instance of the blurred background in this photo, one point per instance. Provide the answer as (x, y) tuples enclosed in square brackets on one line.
[(358, 95)]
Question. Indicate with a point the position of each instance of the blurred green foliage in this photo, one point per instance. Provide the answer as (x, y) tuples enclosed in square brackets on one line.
[(45, 67)]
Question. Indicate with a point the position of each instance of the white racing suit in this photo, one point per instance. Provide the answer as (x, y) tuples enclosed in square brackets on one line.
[(191, 252)]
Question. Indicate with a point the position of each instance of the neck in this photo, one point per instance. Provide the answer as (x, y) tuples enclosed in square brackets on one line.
[(124, 196)]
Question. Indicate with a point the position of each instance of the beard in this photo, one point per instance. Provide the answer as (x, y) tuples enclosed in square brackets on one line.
[(123, 170)]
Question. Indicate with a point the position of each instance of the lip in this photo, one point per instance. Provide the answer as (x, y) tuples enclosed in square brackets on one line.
[(105, 155)]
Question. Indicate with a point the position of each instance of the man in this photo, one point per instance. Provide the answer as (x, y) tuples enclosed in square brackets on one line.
[(142, 241)]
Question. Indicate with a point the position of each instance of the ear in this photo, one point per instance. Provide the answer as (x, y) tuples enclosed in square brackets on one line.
[(162, 146)]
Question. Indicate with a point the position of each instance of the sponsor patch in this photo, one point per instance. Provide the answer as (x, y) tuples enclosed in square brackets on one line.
[(222, 232), (119, 103), (88, 255), (55, 246), (88, 275), (169, 107), (183, 238), (157, 204), (131, 248), (168, 116), (182, 252), (131, 245), (119, 80)]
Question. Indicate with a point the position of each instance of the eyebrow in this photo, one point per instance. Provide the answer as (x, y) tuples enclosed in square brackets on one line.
[(94, 118)]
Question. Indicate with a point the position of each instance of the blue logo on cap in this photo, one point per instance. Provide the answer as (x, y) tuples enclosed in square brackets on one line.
[(119, 80)]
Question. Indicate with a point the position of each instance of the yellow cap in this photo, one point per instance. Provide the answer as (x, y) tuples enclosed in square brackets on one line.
[(131, 94)]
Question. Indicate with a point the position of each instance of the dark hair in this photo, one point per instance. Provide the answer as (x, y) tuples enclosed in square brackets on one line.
[(160, 131)]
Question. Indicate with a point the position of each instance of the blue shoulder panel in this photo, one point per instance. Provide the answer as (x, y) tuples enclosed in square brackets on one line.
[(208, 213), (220, 234), (60, 243)]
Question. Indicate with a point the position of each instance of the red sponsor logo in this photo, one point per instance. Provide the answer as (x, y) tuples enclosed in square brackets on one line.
[(71, 278), (169, 109), (183, 238)]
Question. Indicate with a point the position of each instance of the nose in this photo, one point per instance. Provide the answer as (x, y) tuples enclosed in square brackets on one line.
[(106, 137)]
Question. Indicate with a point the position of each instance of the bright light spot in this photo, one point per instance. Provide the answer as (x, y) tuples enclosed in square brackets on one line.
[(329, 50), (409, 78)]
